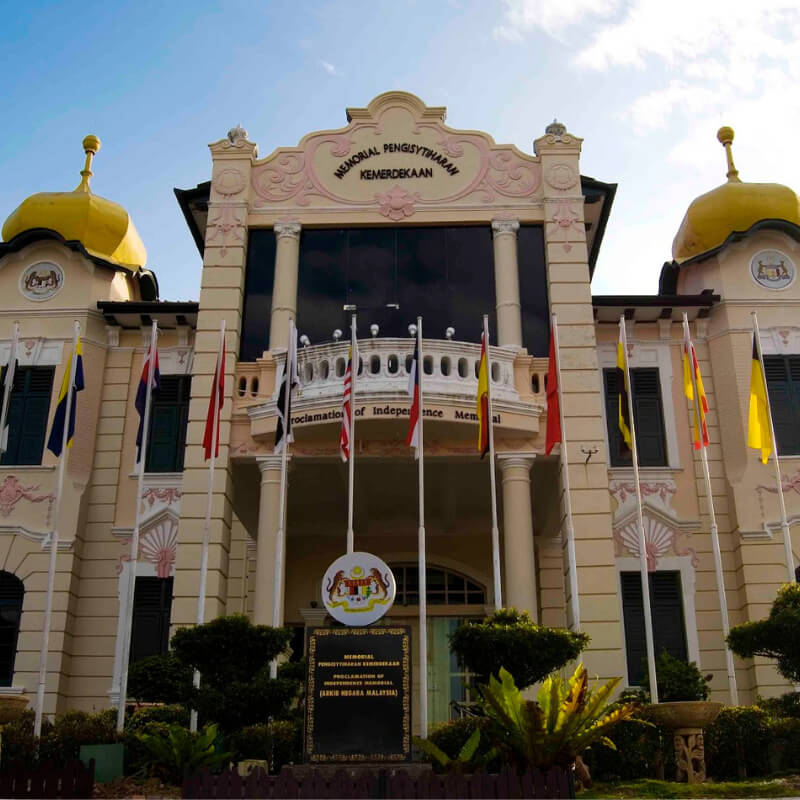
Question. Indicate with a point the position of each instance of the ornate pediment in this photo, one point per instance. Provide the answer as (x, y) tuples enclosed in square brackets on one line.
[(396, 157)]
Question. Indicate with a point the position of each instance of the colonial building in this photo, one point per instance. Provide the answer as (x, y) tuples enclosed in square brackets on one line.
[(394, 215)]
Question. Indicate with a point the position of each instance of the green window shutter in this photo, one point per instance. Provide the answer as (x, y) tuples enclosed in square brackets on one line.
[(152, 605), (783, 383), (648, 415), (169, 416), (28, 413), (666, 604), (12, 592)]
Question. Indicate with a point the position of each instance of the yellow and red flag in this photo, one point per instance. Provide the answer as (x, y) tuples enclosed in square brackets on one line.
[(623, 409), (700, 438), (482, 401)]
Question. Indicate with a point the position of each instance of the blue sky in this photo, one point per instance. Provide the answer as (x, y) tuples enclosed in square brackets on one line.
[(646, 83)]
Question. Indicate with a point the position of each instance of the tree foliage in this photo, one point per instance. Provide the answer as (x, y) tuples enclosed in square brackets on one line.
[(677, 679), (159, 679), (777, 636), (509, 638)]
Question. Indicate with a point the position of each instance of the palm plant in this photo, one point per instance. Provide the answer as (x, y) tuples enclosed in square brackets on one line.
[(566, 718), (467, 759)]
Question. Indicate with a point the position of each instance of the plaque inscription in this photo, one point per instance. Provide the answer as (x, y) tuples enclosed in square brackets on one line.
[(358, 704)]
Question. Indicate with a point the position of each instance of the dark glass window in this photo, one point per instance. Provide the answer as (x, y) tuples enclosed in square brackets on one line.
[(648, 416), (28, 410), (11, 594), (169, 415), (783, 383), (444, 587), (666, 605), (152, 604), (444, 273)]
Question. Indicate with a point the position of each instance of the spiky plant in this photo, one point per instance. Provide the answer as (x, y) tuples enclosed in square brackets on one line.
[(567, 717)]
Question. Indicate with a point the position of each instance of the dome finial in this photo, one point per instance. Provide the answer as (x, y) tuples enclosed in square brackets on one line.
[(725, 138), (91, 144)]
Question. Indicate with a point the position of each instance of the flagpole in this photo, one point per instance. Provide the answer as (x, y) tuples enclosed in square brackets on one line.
[(51, 572), (128, 625), (571, 559), (280, 546), (723, 601), (201, 597), (648, 615), (498, 594), (423, 568), (354, 363), (787, 536), (12, 355)]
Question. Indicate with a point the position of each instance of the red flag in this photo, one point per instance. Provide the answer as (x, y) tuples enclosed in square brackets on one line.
[(412, 440), (218, 391), (344, 435), (553, 408)]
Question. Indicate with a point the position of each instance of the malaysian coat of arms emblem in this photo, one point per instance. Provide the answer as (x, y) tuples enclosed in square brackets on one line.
[(358, 589)]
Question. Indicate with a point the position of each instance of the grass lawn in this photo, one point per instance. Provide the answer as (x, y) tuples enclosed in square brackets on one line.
[(786, 786)]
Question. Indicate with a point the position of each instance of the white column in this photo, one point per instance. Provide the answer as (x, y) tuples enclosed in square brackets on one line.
[(284, 286), (506, 281), (269, 504), (518, 552)]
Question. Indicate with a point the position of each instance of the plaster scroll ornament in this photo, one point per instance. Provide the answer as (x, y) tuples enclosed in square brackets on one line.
[(12, 491), (659, 539), (564, 220), (397, 203), (41, 281), (164, 494), (229, 182), (226, 227), (289, 229), (503, 226), (561, 176), (159, 546)]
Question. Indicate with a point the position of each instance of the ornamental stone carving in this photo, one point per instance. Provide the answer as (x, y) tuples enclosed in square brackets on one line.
[(229, 182), (500, 227), (561, 176), (289, 230)]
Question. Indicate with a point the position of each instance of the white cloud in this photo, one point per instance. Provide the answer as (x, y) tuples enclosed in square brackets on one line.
[(328, 67), (523, 16)]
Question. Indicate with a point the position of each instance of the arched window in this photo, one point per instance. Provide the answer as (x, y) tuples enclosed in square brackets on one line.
[(11, 594), (444, 587)]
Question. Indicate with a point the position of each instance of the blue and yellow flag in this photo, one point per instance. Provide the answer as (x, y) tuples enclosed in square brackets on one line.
[(54, 443)]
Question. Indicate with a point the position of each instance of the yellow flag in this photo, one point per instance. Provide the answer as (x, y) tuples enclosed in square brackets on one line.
[(759, 433)]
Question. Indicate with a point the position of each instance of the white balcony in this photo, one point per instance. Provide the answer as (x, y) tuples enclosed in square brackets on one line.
[(449, 368)]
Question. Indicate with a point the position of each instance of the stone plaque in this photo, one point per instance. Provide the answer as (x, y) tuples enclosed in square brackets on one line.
[(358, 704)]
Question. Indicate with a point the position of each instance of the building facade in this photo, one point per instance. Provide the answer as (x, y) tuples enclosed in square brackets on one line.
[(393, 216)]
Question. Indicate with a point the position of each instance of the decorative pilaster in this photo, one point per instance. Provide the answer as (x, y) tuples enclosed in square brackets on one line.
[(519, 586), (284, 287), (269, 505), (570, 296), (506, 281), (221, 296)]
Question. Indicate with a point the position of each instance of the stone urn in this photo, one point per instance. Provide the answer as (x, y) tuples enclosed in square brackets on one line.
[(11, 707), (687, 719)]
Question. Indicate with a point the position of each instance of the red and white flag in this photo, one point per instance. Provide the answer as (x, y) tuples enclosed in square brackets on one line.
[(553, 434), (215, 401), (347, 406), (412, 440)]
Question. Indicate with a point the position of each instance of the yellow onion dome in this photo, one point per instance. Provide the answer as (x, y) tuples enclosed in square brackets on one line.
[(733, 206), (101, 226)]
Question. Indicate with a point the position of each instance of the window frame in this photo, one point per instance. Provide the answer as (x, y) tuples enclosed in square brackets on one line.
[(166, 587), (7, 679), (647, 353)]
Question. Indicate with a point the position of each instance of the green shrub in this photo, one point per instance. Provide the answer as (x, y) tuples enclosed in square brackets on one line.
[(17, 739), (638, 752), (143, 716), (450, 738), (254, 741), (179, 752), (233, 657), (677, 679), (159, 679), (737, 743), (287, 742), (787, 705), (785, 744), (777, 636), (510, 639)]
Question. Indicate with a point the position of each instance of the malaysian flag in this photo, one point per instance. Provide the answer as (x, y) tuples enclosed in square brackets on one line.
[(344, 435), (412, 440)]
